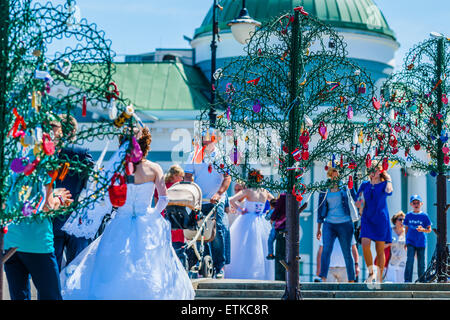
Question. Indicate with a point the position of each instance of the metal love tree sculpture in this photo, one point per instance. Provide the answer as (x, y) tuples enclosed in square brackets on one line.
[(39, 81), (292, 102), (419, 119)]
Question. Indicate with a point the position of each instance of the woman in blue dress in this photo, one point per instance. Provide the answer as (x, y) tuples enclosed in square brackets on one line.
[(375, 226)]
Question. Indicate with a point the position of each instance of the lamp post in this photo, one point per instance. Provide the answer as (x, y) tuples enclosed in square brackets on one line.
[(242, 27), (215, 31)]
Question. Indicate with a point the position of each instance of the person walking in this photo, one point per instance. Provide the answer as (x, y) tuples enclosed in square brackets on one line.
[(375, 225), (273, 231), (233, 213), (250, 233), (417, 223), (133, 259), (175, 174), (35, 251), (74, 181), (334, 215), (337, 271), (396, 267), (279, 218), (200, 169)]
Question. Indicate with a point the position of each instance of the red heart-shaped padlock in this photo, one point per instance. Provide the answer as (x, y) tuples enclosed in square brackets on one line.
[(376, 104), (47, 144), (305, 155), (304, 138)]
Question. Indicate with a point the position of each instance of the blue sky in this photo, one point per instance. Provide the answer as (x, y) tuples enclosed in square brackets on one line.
[(138, 26)]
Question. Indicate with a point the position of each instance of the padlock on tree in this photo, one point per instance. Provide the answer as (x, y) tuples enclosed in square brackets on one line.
[(111, 96), (376, 103), (362, 88), (47, 145), (62, 68)]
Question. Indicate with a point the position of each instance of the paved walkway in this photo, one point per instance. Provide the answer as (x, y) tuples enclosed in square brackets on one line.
[(6, 290)]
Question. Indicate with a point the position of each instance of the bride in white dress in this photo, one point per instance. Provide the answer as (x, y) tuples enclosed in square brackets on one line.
[(249, 234), (133, 259)]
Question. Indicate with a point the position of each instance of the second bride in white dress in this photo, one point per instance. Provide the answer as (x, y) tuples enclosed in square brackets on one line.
[(249, 234), (133, 259)]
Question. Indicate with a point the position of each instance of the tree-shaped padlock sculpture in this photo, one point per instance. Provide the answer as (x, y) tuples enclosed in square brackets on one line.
[(39, 82), (293, 101), (416, 97)]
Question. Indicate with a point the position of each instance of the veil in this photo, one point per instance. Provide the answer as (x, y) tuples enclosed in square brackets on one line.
[(86, 222)]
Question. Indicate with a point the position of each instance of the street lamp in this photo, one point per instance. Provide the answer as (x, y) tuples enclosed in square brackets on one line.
[(215, 31), (243, 26)]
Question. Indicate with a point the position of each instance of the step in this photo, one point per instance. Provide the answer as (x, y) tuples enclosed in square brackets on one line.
[(378, 287), (239, 284), (280, 285), (232, 294), (318, 294)]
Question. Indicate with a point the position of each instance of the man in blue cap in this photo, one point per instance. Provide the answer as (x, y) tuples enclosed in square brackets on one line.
[(416, 223)]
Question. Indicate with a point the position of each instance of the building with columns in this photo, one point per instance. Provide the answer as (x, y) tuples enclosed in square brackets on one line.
[(169, 87)]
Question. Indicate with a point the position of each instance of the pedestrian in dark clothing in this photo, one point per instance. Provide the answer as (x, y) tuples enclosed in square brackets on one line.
[(279, 218), (73, 181)]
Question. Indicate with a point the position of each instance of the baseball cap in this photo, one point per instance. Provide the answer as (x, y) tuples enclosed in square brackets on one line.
[(415, 197)]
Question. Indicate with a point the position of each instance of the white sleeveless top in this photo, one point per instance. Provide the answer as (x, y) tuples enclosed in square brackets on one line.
[(254, 207), (139, 199)]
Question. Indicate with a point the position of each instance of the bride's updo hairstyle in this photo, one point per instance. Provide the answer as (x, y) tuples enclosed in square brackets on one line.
[(144, 138), (254, 178)]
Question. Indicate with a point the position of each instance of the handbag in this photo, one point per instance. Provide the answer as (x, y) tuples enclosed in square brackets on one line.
[(353, 209), (118, 193)]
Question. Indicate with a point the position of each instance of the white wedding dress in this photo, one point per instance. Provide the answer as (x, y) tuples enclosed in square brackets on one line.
[(249, 234), (132, 260)]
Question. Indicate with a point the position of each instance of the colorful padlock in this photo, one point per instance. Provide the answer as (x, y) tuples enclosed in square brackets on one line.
[(47, 145)]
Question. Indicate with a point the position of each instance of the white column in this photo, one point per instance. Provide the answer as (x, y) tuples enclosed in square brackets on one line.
[(319, 174), (417, 184), (395, 201)]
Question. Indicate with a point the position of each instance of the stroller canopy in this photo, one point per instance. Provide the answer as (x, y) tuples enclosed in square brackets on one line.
[(185, 194)]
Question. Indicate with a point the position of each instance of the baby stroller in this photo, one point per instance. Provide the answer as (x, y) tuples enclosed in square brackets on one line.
[(184, 211)]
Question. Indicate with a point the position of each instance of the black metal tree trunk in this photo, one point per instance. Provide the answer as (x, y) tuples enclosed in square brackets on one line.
[(441, 183), (4, 32), (292, 215)]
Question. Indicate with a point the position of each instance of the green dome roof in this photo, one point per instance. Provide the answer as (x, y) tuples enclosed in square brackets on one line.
[(355, 14)]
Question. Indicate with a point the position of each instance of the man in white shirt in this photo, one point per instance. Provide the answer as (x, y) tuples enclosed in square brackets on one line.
[(337, 271), (200, 169)]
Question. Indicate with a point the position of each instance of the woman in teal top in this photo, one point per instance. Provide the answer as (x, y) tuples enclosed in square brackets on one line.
[(35, 255)]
